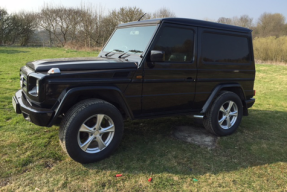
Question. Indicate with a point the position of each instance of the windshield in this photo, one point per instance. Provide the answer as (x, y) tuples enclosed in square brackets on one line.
[(132, 39)]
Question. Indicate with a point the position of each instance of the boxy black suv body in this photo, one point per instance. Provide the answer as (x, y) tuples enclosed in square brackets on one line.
[(147, 69)]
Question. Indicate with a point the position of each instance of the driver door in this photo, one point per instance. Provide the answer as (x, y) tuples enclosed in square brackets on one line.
[(169, 85)]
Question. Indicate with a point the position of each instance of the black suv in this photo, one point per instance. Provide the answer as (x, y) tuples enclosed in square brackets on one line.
[(147, 69)]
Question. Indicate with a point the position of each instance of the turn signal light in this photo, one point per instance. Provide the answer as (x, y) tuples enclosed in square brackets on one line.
[(139, 77), (54, 71)]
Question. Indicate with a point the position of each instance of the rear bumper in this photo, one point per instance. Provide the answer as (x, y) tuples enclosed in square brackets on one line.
[(249, 102), (38, 116)]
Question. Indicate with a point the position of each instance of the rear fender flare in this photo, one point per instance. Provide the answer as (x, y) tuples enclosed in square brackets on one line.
[(215, 92)]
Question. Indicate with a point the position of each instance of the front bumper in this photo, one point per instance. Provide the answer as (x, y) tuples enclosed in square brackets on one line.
[(36, 115)]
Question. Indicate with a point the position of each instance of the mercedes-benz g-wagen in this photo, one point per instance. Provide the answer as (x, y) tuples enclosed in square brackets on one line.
[(146, 69)]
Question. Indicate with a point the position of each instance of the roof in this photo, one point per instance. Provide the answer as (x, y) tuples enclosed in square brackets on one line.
[(193, 22)]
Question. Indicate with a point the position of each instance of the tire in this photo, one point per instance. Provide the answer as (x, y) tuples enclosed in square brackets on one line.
[(225, 114), (91, 130)]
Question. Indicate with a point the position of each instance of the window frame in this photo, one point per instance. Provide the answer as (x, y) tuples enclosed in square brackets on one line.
[(130, 26), (228, 33), (178, 26)]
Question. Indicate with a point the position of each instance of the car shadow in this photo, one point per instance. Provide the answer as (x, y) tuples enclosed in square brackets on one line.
[(149, 147)]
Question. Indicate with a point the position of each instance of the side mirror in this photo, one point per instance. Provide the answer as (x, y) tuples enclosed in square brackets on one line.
[(157, 56)]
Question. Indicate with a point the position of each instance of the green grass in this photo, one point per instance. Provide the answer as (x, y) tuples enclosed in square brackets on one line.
[(252, 159)]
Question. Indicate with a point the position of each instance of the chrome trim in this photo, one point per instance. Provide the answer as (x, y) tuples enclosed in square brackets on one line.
[(198, 116)]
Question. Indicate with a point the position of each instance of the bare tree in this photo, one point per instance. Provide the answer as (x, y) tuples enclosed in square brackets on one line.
[(242, 21), (91, 19), (162, 13), (107, 25), (60, 22), (4, 25), (16, 27), (115, 17), (27, 25), (14, 30), (47, 20), (126, 14), (245, 21), (271, 25), (225, 20)]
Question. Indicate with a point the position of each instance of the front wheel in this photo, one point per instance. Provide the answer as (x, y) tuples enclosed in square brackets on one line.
[(225, 114), (91, 130)]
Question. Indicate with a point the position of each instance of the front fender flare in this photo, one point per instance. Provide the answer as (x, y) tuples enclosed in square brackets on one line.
[(73, 92)]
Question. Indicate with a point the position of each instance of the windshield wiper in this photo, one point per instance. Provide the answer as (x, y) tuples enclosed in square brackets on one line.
[(124, 54), (135, 51), (118, 50), (114, 50), (108, 53)]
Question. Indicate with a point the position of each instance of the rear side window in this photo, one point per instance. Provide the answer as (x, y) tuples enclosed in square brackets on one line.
[(221, 48), (177, 43)]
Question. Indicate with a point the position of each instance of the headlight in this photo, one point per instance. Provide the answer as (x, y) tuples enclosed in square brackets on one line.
[(37, 86), (22, 81), (31, 82), (33, 86)]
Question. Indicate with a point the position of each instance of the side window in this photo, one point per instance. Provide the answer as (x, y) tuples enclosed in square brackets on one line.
[(177, 43), (225, 48)]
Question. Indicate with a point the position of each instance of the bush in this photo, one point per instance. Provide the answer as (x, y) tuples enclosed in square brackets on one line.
[(270, 49)]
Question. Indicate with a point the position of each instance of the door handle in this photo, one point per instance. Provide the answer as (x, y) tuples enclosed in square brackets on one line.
[(189, 79)]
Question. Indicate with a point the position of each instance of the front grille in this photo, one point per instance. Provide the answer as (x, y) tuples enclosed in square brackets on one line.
[(29, 83), (23, 81)]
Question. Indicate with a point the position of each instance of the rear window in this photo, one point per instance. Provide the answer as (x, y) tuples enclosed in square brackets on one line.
[(221, 48)]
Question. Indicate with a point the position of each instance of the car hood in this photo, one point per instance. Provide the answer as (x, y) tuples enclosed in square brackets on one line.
[(80, 64)]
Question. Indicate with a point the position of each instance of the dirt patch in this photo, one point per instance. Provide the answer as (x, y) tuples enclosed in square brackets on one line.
[(195, 135), (4, 182), (49, 165)]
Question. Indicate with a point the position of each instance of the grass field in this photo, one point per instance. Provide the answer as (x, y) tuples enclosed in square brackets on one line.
[(252, 159)]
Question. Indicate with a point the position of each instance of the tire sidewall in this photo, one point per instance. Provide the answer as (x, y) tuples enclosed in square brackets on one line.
[(72, 146)]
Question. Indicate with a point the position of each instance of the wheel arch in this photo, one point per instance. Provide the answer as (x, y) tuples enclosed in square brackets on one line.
[(111, 94), (235, 88)]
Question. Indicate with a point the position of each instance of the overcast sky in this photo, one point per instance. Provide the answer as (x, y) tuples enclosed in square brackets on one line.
[(196, 9)]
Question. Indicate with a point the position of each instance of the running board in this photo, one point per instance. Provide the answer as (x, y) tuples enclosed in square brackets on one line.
[(198, 116)]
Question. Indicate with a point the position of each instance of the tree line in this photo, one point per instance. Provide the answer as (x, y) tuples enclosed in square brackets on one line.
[(267, 25), (86, 26), (89, 26), (16, 28)]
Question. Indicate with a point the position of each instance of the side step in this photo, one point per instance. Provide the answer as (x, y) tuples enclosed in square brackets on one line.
[(198, 116)]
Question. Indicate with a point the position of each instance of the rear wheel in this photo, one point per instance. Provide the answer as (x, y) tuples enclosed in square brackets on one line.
[(225, 114), (91, 130)]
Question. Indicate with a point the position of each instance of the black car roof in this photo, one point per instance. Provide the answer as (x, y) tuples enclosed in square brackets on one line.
[(193, 22)]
